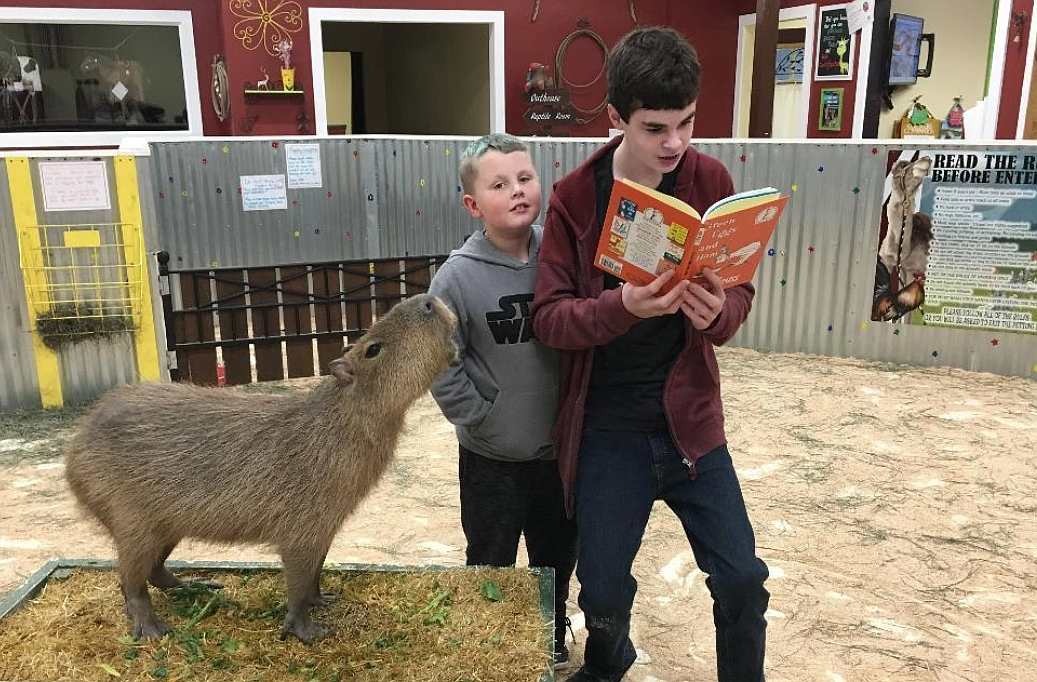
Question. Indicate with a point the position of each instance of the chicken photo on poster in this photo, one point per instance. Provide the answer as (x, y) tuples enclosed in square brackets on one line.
[(905, 238)]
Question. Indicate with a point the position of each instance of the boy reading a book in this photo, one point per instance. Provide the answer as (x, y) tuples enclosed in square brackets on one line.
[(640, 417), (503, 395)]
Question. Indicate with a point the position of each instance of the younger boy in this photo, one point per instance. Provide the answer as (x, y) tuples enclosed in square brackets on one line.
[(641, 418), (503, 395)]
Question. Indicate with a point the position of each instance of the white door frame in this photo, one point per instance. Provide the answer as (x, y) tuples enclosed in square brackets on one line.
[(494, 20), (807, 12)]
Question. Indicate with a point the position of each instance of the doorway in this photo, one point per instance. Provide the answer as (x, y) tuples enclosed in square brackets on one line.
[(792, 77), (409, 72)]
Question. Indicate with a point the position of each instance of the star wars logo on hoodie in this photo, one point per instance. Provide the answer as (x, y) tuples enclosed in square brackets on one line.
[(511, 324)]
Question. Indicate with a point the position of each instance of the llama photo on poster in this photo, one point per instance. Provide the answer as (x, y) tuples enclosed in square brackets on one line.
[(958, 243)]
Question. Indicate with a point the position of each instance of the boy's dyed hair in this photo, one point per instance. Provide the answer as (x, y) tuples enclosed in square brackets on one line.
[(501, 142), (652, 68)]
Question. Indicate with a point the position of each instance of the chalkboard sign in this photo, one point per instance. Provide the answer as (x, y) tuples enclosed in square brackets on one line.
[(834, 46)]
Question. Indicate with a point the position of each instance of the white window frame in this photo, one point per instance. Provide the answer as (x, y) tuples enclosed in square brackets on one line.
[(128, 17), (493, 19)]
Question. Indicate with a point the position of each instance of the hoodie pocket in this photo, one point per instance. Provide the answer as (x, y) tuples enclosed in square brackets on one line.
[(519, 423)]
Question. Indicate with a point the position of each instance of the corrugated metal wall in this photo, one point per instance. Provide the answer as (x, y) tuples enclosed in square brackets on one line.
[(392, 197), (19, 386), (399, 196), (86, 369)]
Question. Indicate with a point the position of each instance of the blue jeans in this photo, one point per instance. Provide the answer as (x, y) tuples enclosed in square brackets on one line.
[(620, 475)]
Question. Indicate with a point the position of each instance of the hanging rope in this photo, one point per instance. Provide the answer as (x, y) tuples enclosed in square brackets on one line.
[(586, 114)]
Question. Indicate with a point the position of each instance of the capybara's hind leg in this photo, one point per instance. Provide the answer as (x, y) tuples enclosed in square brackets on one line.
[(137, 557), (299, 569), (318, 598), (162, 578)]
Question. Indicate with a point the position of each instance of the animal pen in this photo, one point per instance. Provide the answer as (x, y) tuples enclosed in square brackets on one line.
[(247, 285)]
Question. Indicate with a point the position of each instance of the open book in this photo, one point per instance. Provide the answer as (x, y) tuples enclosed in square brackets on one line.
[(647, 232)]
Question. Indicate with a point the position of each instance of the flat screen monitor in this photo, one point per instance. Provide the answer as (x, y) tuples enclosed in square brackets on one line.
[(905, 37)]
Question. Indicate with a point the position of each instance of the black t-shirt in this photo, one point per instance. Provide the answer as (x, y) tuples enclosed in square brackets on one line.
[(629, 372)]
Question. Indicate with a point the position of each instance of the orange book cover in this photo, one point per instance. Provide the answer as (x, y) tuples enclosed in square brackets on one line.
[(647, 232)]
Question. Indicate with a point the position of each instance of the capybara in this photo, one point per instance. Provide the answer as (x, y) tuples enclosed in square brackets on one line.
[(159, 462)]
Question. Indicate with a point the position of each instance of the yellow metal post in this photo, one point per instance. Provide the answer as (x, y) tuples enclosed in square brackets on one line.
[(132, 226), (23, 205)]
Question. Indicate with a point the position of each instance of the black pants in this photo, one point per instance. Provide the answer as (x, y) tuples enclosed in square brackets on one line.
[(502, 501)]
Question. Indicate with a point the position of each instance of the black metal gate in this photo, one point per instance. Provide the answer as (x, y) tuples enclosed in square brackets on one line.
[(239, 325)]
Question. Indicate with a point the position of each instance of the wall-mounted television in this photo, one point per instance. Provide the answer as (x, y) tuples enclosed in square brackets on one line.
[(905, 49)]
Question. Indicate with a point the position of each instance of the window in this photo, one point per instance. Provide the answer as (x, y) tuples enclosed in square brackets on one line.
[(107, 73)]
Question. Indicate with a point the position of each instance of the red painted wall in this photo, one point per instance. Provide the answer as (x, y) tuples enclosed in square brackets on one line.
[(1015, 70), (711, 26)]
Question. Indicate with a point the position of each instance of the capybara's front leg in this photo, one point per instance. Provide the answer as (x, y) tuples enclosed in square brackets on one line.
[(298, 573)]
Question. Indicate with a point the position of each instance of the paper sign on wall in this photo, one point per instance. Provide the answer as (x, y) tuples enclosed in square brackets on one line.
[(74, 186), (303, 163), (859, 13), (263, 192)]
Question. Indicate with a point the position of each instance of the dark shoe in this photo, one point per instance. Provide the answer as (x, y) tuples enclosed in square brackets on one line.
[(561, 661), (584, 675)]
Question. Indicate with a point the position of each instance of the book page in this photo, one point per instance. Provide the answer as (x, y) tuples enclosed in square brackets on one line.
[(740, 202)]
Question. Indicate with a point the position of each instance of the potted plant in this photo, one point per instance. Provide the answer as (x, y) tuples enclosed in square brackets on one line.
[(284, 51)]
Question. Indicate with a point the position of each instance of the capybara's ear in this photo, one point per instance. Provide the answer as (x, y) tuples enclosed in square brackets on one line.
[(342, 369)]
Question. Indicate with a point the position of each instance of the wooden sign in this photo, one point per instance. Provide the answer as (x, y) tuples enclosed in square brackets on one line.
[(549, 112)]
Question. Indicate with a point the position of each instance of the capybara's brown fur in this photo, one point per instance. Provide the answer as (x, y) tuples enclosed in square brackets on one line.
[(157, 462)]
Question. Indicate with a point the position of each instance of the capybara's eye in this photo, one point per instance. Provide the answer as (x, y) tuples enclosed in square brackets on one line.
[(428, 306), (373, 350)]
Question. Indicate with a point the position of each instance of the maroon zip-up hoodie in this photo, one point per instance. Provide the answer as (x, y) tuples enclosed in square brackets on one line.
[(573, 312)]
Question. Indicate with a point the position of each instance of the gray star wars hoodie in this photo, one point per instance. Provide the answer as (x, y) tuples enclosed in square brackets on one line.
[(502, 396)]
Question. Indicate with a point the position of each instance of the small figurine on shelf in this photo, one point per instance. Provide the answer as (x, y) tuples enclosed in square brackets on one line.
[(284, 51), (264, 82), (953, 127)]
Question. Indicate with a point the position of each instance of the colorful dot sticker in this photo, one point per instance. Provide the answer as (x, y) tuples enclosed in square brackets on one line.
[(936, 353), (771, 252), (856, 190), (204, 160), (226, 149), (820, 169), (274, 145), (896, 332), (783, 280), (994, 342), (329, 193), (183, 193), (810, 249), (795, 187), (422, 182), (742, 158), (864, 325), (295, 234)]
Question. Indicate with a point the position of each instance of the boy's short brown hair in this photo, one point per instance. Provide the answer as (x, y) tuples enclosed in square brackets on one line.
[(652, 68), (501, 142)]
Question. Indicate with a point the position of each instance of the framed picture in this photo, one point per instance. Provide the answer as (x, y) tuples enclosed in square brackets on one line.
[(834, 45), (831, 114)]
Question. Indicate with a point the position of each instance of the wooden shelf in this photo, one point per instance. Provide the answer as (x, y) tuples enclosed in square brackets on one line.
[(274, 93)]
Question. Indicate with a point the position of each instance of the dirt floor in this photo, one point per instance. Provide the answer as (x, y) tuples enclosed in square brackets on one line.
[(895, 506)]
